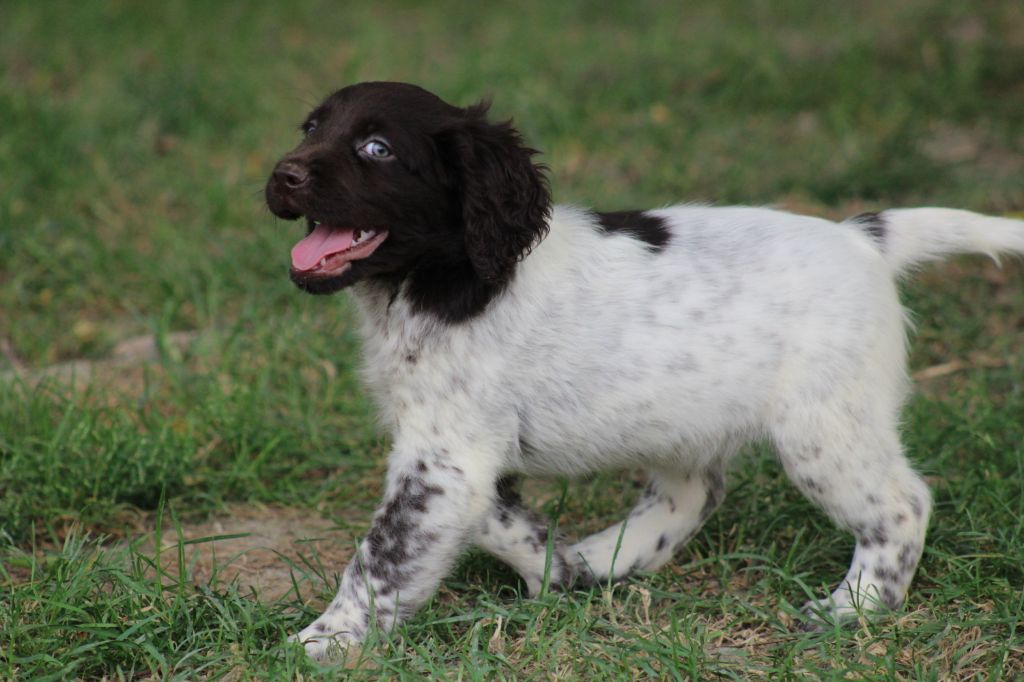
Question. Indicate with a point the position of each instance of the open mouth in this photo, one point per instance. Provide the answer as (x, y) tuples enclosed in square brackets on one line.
[(328, 251)]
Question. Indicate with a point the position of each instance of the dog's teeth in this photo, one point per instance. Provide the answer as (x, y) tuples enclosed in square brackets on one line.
[(323, 261)]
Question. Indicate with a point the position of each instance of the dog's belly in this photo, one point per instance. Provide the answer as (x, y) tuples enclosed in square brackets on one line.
[(574, 455), (657, 418)]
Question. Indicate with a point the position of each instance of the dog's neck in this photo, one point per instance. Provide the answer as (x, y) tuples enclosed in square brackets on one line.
[(389, 316), (452, 292), (444, 294)]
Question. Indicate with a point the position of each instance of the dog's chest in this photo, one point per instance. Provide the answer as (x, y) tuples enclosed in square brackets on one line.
[(430, 379)]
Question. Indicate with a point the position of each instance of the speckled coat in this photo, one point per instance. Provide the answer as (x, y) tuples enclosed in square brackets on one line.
[(666, 347)]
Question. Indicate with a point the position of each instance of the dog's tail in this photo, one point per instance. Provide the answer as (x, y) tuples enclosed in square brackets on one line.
[(908, 237)]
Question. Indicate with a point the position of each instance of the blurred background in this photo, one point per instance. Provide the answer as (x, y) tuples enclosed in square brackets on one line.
[(136, 136), (154, 355)]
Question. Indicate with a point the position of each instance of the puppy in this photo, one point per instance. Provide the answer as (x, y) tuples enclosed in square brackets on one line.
[(503, 336)]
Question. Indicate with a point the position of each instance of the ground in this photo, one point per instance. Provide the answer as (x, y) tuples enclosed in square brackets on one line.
[(186, 455)]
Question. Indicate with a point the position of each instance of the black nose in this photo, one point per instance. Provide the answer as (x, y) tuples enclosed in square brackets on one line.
[(291, 174)]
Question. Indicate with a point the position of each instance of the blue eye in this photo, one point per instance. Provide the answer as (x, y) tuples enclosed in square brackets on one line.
[(376, 149), (308, 127)]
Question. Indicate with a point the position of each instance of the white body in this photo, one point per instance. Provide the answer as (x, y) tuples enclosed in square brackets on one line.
[(603, 355), (750, 324)]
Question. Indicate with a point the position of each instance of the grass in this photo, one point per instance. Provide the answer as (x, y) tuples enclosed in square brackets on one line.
[(136, 139)]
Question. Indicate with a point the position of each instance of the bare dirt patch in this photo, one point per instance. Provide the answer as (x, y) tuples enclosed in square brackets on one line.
[(121, 370), (257, 547)]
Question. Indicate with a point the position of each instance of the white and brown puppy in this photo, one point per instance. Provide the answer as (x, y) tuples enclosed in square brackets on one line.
[(504, 336)]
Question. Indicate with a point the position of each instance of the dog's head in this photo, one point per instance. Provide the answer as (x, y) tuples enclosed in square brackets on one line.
[(393, 183)]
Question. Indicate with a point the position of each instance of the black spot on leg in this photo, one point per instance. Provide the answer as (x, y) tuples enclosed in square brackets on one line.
[(900, 519), (886, 574), (320, 627), (384, 615), (395, 535), (650, 498), (421, 466), (890, 598), (907, 557), (879, 534), (872, 499), (662, 541)]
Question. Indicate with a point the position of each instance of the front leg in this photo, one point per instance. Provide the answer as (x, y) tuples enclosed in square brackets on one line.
[(432, 507)]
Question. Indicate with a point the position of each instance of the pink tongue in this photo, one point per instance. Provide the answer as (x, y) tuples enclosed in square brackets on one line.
[(323, 241)]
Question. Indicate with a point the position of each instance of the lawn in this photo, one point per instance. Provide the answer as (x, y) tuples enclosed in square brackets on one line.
[(186, 456)]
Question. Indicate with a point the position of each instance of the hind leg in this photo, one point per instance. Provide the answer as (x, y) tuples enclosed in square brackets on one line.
[(519, 537), (671, 511), (847, 459)]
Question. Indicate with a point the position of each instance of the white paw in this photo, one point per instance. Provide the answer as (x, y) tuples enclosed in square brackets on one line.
[(819, 615), (323, 645), (839, 609)]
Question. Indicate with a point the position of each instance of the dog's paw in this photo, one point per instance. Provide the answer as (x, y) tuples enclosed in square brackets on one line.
[(821, 615), (813, 618), (561, 577), (325, 646)]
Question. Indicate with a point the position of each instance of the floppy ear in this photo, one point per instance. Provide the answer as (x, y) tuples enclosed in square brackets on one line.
[(505, 197)]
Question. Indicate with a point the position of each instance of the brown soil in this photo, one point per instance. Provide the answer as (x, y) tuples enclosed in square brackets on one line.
[(272, 540)]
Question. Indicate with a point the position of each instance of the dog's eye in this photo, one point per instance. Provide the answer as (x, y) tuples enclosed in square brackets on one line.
[(308, 127), (376, 149)]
